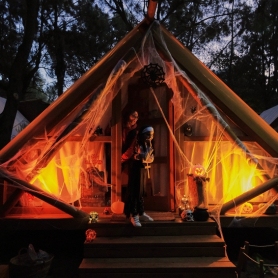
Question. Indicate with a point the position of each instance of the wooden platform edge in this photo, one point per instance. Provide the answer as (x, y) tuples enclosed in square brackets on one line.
[(155, 263)]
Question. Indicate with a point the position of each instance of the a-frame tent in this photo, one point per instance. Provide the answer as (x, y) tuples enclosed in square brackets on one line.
[(192, 108)]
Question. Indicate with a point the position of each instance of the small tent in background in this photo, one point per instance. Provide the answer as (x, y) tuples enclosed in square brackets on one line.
[(20, 121), (271, 116), (205, 135)]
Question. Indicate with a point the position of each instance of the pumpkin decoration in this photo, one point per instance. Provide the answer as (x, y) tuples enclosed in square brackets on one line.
[(247, 208), (198, 170), (118, 207)]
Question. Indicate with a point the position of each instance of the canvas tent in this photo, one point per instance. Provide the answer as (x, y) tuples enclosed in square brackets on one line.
[(271, 116), (20, 121), (198, 121)]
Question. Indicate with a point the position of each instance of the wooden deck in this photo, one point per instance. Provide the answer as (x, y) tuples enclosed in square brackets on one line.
[(52, 218), (48, 222)]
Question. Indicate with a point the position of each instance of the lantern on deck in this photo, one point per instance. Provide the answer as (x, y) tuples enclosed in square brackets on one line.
[(185, 204), (197, 186)]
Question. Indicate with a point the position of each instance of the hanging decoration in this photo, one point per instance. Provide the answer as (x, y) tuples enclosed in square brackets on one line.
[(153, 75), (193, 109), (187, 130)]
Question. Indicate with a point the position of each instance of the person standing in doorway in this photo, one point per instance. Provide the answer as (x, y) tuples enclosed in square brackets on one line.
[(129, 134), (143, 155)]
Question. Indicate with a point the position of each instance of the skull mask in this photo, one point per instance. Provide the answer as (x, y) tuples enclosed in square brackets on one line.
[(93, 218), (187, 215)]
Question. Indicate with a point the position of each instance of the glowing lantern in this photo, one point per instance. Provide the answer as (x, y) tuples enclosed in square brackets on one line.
[(185, 201), (117, 207)]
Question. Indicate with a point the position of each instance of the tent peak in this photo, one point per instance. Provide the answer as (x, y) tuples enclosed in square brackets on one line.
[(151, 10)]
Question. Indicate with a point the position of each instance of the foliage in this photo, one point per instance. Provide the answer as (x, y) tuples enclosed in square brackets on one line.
[(250, 68), (18, 77), (235, 38)]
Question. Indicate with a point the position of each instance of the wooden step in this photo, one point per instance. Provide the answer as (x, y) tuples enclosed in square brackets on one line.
[(4, 271), (189, 267), (106, 228), (157, 249), (156, 246)]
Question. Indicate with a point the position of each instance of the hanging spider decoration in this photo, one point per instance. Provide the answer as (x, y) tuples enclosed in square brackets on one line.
[(187, 130), (153, 75), (193, 109)]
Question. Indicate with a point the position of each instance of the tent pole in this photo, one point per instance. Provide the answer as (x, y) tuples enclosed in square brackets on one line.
[(37, 192), (249, 195), (151, 10), (11, 202)]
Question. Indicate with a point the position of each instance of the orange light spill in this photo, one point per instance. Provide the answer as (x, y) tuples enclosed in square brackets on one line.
[(227, 168), (61, 178)]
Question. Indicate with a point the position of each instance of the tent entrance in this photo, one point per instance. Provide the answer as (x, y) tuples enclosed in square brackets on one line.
[(150, 108)]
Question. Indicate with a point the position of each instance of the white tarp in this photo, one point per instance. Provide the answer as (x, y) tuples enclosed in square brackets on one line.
[(270, 115), (20, 121)]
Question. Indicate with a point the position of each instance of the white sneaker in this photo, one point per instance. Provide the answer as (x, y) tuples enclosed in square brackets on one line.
[(145, 217), (135, 221)]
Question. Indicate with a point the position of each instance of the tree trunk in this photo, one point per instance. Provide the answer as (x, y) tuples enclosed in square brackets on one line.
[(18, 68)]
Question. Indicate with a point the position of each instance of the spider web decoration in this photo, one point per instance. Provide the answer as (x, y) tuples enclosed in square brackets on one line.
[(153, 75)]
